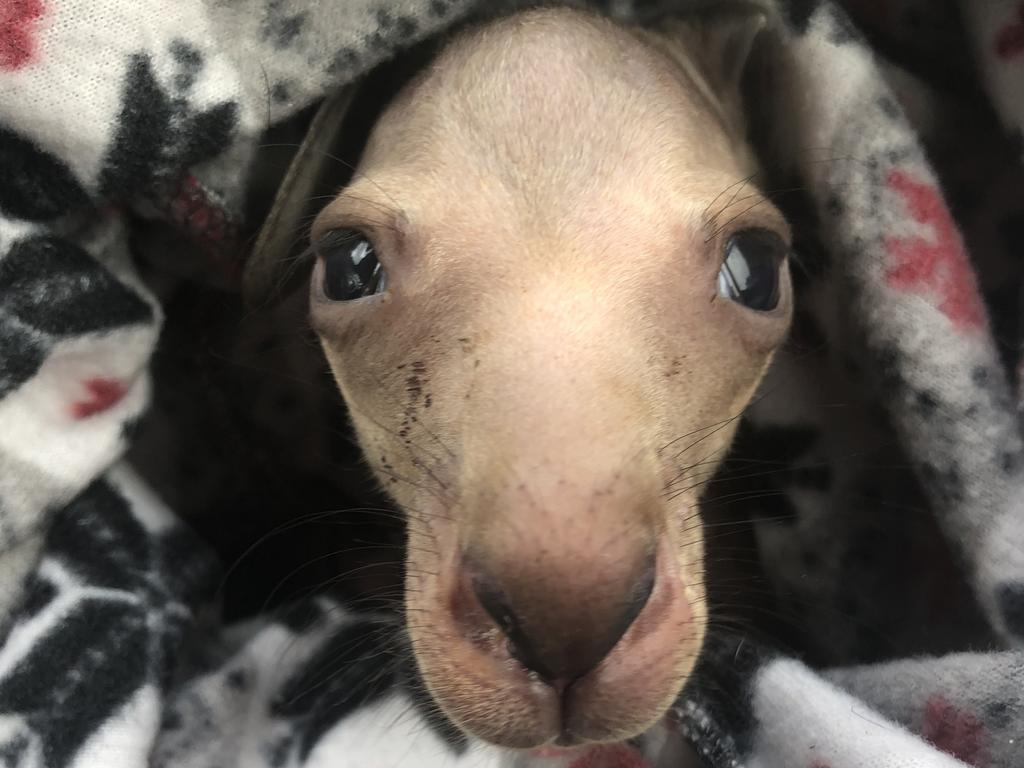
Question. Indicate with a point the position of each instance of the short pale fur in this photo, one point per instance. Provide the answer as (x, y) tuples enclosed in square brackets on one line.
[(550, 375)]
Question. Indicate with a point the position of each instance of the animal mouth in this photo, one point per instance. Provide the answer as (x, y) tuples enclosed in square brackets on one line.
[(661, 747), (522, 674), (600, 756)]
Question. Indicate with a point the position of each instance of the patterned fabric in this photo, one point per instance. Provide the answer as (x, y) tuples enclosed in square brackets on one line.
[(882, 462)]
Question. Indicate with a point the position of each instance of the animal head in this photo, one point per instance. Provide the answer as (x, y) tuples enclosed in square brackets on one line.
[(547, 294)]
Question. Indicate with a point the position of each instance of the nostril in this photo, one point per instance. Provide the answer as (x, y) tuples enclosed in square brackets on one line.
[(637, 600), (494, 602), (563, 636), (496, 605)]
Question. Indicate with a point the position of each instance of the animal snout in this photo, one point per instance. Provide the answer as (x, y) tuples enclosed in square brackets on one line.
[(564, 629), (562, 625)]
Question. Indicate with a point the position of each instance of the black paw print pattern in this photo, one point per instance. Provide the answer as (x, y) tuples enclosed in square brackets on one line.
[(160, 134), (37, 185), (112, 601), (52, 289)]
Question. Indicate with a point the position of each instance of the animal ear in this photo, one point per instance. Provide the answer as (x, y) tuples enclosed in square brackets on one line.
[(727, 38), (323, 164), (274, 263), (715, 44)]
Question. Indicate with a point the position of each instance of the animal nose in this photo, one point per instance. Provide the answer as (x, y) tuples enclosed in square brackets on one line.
[(563, 631)]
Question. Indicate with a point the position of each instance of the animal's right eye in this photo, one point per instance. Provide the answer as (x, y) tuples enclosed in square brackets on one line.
[(351, 269)]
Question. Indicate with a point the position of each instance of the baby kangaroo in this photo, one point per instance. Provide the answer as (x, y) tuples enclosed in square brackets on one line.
[(547, 296)]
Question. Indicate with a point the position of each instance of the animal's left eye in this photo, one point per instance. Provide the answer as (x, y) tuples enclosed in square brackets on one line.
[(351, 268), (750, 272)]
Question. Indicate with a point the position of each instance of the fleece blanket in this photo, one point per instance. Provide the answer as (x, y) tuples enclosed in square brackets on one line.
[(882, 464)]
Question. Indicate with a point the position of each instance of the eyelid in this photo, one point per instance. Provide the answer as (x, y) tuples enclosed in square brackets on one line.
[(728, 241), (338, 236), (388, 243), (745, 215), (344, 236), (360, 209)]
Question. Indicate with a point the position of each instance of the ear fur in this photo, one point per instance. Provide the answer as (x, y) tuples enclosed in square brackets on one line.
[(715, 43), (273, 262), (727, 40), (323, 164)]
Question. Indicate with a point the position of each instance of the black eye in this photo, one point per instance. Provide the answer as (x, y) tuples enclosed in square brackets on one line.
[(750, 272), (351, 269)]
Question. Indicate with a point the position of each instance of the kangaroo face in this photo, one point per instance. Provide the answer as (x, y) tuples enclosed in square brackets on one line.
[(547, 297)]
